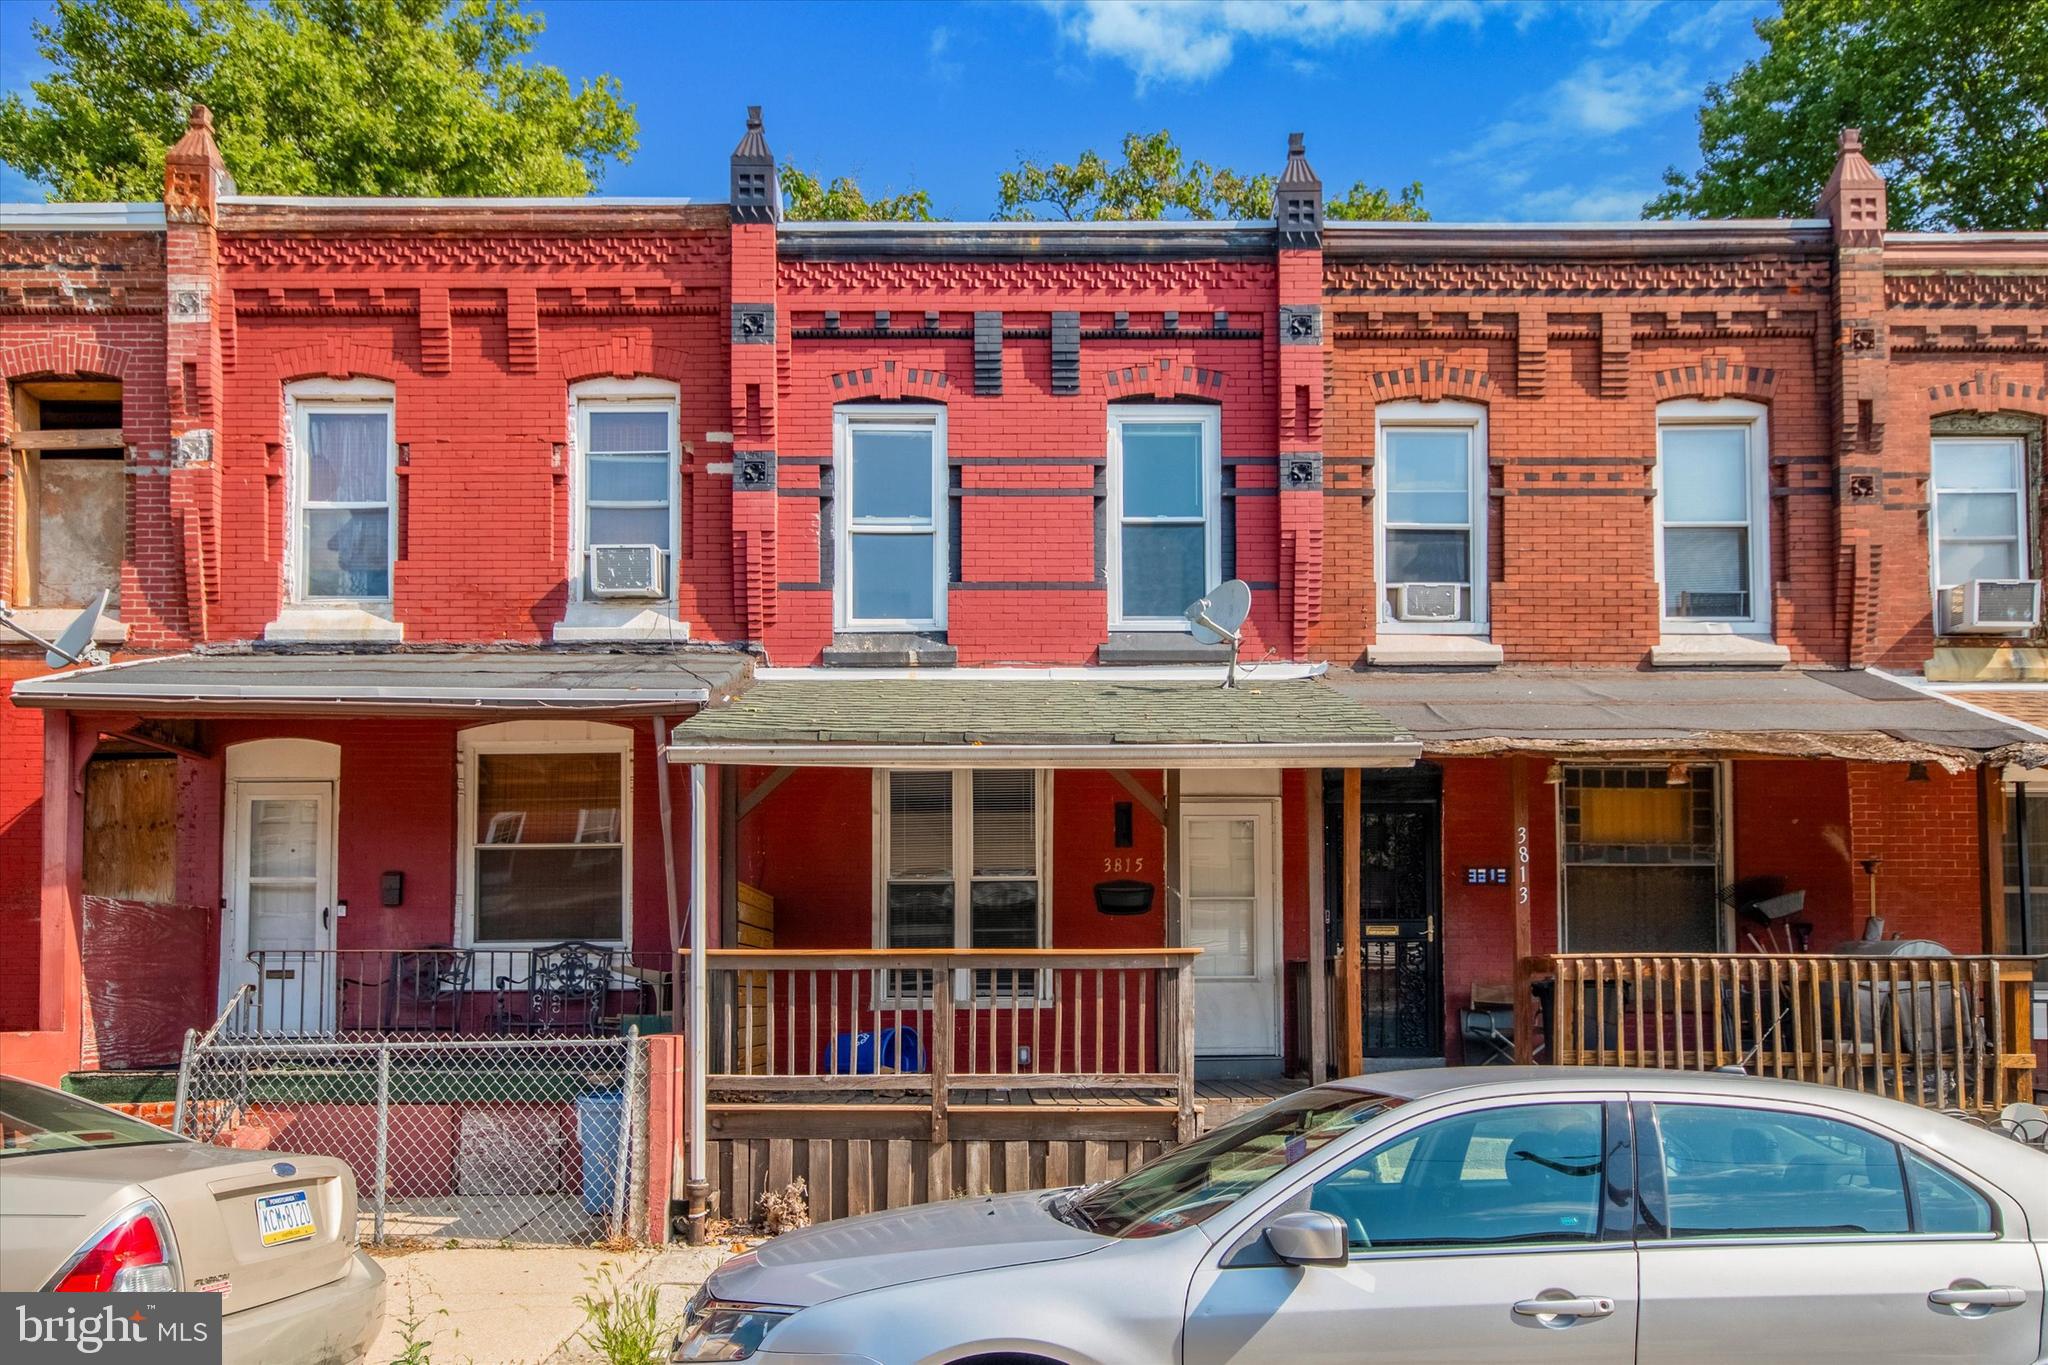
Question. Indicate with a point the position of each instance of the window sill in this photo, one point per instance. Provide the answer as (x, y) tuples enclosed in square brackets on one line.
[(338, 624), (1144, 648), (1718, 651), (889, 649), (50, 622), (598, 623), (1434, 651)]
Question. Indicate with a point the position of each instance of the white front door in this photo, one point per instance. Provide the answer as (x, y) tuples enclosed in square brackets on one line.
[(281, 902), (1230, 911)]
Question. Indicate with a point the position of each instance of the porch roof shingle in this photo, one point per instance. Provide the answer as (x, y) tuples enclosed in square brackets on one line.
[(399, 682), (1849, 714), (1063, 722)]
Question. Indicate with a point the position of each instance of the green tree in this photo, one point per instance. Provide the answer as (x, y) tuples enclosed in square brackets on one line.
[(1156, 179), (1951, 95), (808, 199), (395, 97)]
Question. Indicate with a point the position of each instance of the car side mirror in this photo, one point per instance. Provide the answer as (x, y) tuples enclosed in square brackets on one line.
[(1309, 1237)]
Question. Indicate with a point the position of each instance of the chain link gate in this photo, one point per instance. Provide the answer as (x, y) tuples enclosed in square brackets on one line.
[(537, 1140)]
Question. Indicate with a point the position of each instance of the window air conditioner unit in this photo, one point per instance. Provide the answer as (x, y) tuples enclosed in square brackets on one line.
[(1993, 605), (625, 571), (1427, 601)]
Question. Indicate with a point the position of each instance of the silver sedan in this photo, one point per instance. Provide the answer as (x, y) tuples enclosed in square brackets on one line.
[(1533, 1215)]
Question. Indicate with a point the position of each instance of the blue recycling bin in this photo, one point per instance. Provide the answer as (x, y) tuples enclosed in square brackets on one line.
[(864, 1054), (598, 1116)]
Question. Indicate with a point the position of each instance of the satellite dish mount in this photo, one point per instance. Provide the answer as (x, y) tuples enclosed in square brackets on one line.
[(1219, 618), (75, 645)]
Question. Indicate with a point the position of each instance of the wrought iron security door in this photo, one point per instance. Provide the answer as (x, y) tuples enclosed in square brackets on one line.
[(1400, 906)]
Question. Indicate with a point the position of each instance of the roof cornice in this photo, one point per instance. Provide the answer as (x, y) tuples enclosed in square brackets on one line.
[(1965, 250), (1690, 240), (384, 217), (1059, 241)]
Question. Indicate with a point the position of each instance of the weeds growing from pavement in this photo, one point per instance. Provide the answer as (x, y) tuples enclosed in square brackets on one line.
[(623, 1325)]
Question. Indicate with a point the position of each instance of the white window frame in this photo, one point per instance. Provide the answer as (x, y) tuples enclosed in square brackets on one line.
[(963, 870), (622, 395), (1755, 419), (922, 418), (1211, 420), (303, 401), (2021, 540), (1443, 416), (537, 737)]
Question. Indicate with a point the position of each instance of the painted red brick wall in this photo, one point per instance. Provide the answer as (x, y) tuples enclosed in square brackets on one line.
[(1478, 921), (1926, 835), (21, 847), (1790, 821)]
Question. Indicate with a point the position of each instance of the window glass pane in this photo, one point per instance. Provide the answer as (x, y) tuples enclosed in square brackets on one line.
[(1706, 474), (1430, 509), (1706, 572), (1005, 915), (1978, 514), (1429, 556), (629, 526), (639, 478), (1978, 559), (892, 474), (284, 837), (639, 431), (1944, 1203), (1529, 1173), (348, 456), (1164, 569), (892, 577), (347, 553), (921, 825), (1162, 469), (1976, 464), (548, 798), (549, 893), (920, 914), (1428, 477), (1739, 1172), (1005, 823)]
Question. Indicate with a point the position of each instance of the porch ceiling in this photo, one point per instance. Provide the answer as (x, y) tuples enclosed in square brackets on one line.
[(399, 682), (951, 721), (1851, 714)]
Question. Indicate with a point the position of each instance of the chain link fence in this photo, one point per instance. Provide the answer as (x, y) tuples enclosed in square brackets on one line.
[(538, 1140)]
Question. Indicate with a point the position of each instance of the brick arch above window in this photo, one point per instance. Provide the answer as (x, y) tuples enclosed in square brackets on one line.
[(1431, 380), (1165, 377), (623, 358), (1990, 392), (335, 359), (1715, 376), (65, 356), (891, 378)]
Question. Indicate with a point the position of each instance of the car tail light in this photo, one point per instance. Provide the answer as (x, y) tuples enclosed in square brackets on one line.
[(132, 1254)]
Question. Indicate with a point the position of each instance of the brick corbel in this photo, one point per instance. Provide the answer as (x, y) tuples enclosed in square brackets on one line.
[(1616, 341)]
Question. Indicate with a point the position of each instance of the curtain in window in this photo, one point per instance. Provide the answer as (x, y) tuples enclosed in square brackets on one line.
[(550, 847), (346, 532)]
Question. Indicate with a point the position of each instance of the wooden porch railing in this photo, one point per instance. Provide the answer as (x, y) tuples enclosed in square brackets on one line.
[(934, 1023), (1945, 1032)]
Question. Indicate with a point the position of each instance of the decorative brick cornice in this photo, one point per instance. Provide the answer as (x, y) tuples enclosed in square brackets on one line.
[(1430, 381), (686, 253), (1966, 289), (1713, 376), (892, 379), (1078, 279), (1579, 279), (1164, 378)]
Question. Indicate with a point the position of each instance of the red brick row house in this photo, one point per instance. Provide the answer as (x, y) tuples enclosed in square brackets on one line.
[(500, 575)]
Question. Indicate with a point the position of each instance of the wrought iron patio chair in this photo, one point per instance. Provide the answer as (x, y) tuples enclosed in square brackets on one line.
[(564, 990)]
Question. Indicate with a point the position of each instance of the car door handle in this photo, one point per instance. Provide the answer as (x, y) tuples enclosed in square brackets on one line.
[(1584, 1307), (1978, 1296)]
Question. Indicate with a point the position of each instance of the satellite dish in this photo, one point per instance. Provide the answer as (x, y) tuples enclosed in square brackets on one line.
[(1218, 616), (75, 644)]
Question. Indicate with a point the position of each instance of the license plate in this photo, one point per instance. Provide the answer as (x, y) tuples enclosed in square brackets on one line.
[(282, 1218)]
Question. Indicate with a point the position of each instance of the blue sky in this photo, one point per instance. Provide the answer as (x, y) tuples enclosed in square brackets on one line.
[(1544, 110)]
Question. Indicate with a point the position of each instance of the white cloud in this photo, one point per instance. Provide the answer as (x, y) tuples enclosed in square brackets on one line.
[(1191, 40), (943, 68), (1604, 203), (1599, 99)]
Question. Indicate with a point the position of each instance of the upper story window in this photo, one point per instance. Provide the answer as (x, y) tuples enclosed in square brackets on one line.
[(1432, 509), (70, 511), (1980, 521), (1165, 529), (1713, 557), (343, 488), (627, 447), (891, 513)]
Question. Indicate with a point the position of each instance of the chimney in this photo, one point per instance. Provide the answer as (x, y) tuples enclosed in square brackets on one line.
[(756, 198), (1854, 199), (1298, 200)]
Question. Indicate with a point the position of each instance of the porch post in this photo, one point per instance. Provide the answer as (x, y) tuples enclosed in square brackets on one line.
[(1525, 942), (1991, 852), (697, 1186), (1351, 966), (60, 982), (1318, 949)]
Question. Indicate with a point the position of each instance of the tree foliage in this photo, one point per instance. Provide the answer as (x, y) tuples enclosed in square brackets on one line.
[(808, 199), (1951, 95), (1157, 179), (393, 97)]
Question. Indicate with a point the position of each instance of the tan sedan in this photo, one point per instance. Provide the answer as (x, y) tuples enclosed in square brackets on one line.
[(92, 1201)]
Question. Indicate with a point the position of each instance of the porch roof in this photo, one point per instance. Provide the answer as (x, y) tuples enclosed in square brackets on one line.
[(398, 682), (1853, 714), (951, 721)]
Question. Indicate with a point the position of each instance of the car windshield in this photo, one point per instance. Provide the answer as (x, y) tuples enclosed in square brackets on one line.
[(1192, 1183), (33, 1119)]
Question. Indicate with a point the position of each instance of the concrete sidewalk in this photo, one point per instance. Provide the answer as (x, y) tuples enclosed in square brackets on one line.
[(517, 1305)]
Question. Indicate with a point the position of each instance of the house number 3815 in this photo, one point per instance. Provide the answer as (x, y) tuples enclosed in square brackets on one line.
[(1123, 864)]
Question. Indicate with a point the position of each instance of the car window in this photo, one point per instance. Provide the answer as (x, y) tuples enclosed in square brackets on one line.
[(34, 1119), (1743, 1172), (1527, 1173), (1942, 1203)]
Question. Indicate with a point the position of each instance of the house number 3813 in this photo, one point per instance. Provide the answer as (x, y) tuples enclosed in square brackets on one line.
[(1123, 864)]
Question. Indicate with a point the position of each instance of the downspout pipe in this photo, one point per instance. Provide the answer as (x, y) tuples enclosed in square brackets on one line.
[(697, 1186)]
